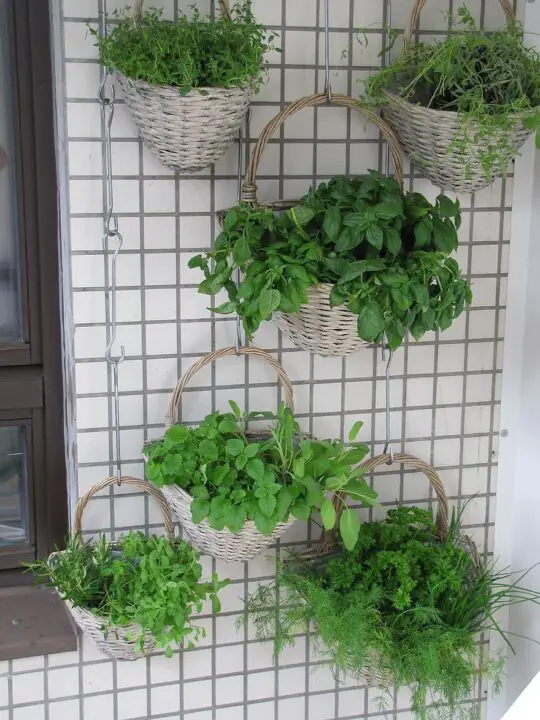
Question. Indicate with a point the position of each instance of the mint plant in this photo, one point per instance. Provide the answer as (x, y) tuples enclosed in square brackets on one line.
[(154, 582), (386, 254), (234, 477)]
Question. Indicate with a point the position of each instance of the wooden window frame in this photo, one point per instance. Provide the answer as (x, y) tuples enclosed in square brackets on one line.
[(31, 372)]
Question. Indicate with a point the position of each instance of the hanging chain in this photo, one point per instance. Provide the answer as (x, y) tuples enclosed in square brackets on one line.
[(387, 449), (238, 342), (388, 34), (327, 78), (112, 244)]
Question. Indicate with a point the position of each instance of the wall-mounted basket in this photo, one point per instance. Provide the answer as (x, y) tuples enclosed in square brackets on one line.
[(428, 135), (223, 544), (116, 642), (318, 327), (185, 132)]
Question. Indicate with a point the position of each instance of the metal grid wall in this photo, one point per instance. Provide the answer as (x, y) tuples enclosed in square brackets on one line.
[(444, 391)]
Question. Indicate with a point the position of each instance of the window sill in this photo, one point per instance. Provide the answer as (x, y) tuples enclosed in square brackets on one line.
[(33, 621)]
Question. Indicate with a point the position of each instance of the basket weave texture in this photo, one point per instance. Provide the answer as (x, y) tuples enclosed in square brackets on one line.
[(318, 327), (185, 132), (428, 135), (223, 544), (117, 642)]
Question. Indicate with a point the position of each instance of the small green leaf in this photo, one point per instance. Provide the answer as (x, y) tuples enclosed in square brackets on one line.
[(225, 309), (255, 469), (263, 523), (301, 510), (268, 302), (231, 220), (332, 223), (235, 517), (234, 407), (227, 426), (375, 236), (199, 510), (422, 235), (268, 505), (349, 527), (447, 208), (216, 605), (370, 322), (353, 434), (299, 467), (241, 251), (392, 240), (301, 215), (328, 514), (251, 450), (235, 446)]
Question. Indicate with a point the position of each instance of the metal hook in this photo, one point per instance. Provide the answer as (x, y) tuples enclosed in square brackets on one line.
[(327, 78), (113, 297), (387, 449)]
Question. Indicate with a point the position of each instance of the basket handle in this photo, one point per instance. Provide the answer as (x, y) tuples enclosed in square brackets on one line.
[(249, 189), (433, 477), (142, 484), (419, 5), (172, 413), (138, 6)]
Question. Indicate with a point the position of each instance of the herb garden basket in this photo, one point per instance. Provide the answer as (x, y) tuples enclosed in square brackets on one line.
[(185, 132), (374, 675), (223, 544), (428, 135), (318, 327), (116, 642)]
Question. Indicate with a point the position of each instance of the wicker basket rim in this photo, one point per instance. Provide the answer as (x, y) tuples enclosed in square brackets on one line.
[(192, 93), (394, 97)]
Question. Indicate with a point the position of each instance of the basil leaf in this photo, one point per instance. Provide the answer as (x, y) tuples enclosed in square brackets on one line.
[(268, 302), (332, 223), (349, 527), (370, 321)]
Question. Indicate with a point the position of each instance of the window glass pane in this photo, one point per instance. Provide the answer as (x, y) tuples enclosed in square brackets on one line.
[(13, 487), (10, 315)]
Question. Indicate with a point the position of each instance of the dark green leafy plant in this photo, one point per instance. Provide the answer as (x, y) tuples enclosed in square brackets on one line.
[(385, 253), (193, 52), (405, 604), (234, 477), (492, 79), (152, 581)]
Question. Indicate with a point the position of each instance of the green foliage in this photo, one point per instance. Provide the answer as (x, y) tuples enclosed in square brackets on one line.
[(193, 52), (234, 477), (152, 581), (490, 78), (404, 603), (385, 253)]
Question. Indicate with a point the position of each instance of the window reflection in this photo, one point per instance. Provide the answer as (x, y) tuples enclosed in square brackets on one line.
[(13, 491)]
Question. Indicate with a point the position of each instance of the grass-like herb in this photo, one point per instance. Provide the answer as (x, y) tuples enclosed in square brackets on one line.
[(492, 79), (403, 603), (193, 52), (152, 581)]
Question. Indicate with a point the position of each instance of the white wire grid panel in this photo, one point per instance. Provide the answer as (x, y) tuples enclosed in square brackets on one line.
[(444, 391)]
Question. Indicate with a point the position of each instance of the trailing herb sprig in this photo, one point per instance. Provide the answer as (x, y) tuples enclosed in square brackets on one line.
[(385, 253), (405, 604), (234, 477), (152, 581), (492, 79), (192, 52)]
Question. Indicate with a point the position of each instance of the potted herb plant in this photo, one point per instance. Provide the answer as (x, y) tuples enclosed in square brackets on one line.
[(237, 489), (405, 607), (359, 246), (187, 83), (462, 107), (135, 593)]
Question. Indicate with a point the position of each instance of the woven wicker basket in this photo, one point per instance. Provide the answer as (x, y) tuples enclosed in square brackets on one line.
[(185, 132), (428, 135), (374, 675), (223, 544), (115, 641), (318, 327)]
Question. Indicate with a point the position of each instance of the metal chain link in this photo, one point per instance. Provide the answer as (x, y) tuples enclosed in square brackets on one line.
[(386, 349), (239, 341), (112, 241), (327, 77)]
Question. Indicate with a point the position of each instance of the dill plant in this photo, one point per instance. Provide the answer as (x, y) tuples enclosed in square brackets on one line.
[(491, 79), (194, 52), (405, 603)]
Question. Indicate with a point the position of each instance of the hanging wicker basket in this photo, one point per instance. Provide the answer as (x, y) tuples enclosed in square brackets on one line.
[(117, 642), (318, 328), (374, 674), (185, 132), (428, 135), (223, 544)]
